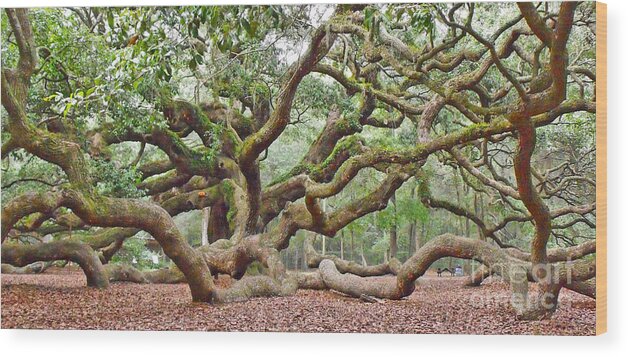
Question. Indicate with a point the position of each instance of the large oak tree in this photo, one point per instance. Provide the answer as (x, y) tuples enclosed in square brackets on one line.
[(137, 115)]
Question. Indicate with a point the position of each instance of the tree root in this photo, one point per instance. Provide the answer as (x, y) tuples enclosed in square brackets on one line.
[(256, 286), (171, 275), (478, 276)]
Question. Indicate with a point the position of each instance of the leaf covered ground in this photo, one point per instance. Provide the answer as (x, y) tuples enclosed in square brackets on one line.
[(59, 299)]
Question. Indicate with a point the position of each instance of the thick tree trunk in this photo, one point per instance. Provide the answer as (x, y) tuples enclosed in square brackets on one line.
[(157, 222), (223, 257), (276, 283)]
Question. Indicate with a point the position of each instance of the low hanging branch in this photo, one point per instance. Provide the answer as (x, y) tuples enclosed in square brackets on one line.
[(21, 255), (314, 260)]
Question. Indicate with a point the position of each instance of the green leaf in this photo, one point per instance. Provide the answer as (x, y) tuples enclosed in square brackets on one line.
[(192, 64), (110, 19), (247, 27)]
